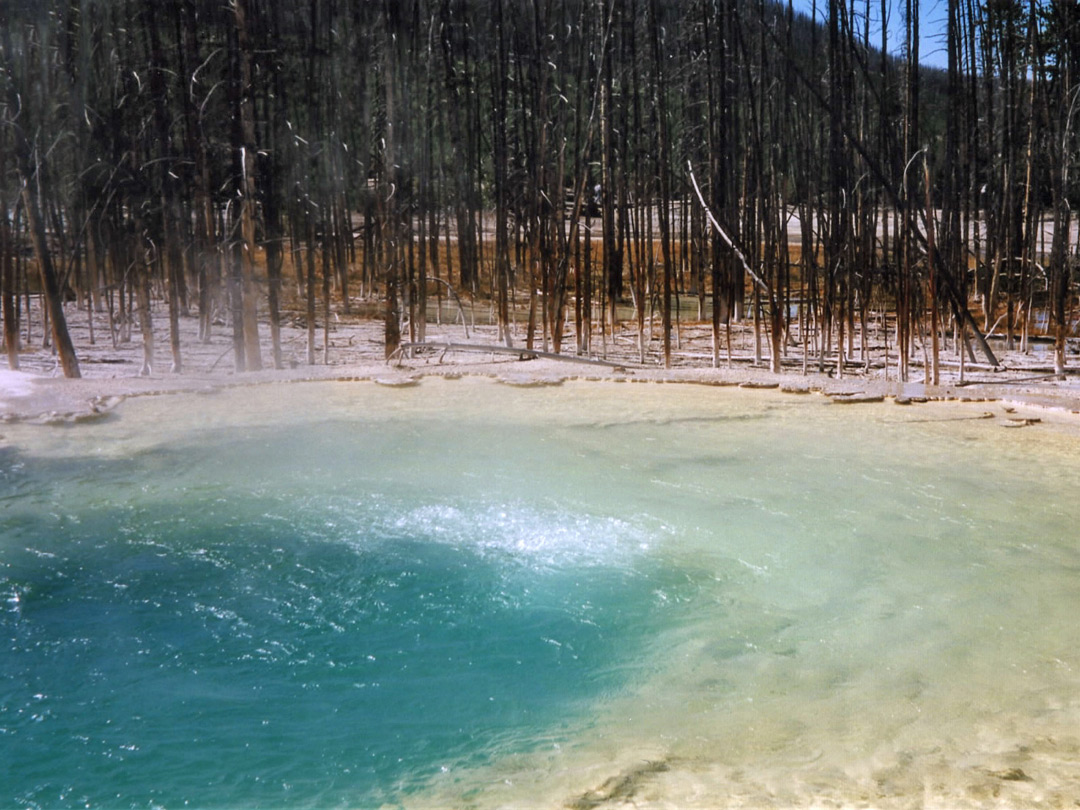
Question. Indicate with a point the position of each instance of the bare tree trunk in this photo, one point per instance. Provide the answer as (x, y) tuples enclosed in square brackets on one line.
[(7, 281), (146, 323), (169, 256), (274, 101), (30, 178), (327, 275), (250, 290), (310, 287), (934, 377), (500, 158), (1062, 154), (393, 64), (663, 172)]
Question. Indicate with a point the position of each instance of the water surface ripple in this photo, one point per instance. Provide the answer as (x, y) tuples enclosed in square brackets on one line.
[(466, 593)]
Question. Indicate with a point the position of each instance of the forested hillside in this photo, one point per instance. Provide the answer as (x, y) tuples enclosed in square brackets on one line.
[(577, 163)]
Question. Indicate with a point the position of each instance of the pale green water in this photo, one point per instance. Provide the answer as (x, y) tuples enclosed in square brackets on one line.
[(465, 593)]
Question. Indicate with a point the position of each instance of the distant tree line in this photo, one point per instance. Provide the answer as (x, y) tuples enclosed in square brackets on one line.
[(231, 157)]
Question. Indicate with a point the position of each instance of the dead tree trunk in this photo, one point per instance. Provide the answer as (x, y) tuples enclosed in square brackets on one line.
[(7, 272), (249, 293), (50, 282)]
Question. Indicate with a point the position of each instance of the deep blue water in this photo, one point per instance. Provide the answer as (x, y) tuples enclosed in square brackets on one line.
[(283, 621)]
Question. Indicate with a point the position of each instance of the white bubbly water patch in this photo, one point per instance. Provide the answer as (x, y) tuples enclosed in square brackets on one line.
[(529, 535)]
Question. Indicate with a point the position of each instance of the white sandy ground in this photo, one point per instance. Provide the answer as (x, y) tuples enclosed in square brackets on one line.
[(110, 369), (16, 384)]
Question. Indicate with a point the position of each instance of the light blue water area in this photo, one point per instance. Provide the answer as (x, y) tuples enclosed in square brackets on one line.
[(275, 620), (467, 593)]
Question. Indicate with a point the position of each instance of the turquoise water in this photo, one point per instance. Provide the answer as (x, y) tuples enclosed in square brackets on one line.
[(177, 632), (345, 595)]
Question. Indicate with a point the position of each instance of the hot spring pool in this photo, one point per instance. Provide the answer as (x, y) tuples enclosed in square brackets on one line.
[(469, 594)]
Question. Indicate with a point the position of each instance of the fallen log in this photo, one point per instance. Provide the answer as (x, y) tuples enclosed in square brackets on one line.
[(1038, 378), (498, 349)]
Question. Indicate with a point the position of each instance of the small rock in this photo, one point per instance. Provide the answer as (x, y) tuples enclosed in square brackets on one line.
[(1012, 775), (526, 381), (1021, 421), (857, 398)]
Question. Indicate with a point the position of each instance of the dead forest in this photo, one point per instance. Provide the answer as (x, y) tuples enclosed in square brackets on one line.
[(574, 165)]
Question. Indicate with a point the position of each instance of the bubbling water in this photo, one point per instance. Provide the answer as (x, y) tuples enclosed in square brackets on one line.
[(466, 593)]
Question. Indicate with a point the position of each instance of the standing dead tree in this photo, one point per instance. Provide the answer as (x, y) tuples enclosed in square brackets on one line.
[(29, 165)]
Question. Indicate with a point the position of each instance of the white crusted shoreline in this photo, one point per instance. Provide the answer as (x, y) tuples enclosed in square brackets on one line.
[(111, 372)]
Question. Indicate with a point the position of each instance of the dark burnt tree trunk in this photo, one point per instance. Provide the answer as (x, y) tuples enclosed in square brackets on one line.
[(28, 164), (663, 174), (169, 255), (8, 293), (245, 145), (501, 167)]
